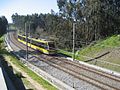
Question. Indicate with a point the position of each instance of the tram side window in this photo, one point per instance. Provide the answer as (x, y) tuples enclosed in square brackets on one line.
[(42, 45), (20, 37), (46, 46), (29, 40), (24, 39), (34, 43)]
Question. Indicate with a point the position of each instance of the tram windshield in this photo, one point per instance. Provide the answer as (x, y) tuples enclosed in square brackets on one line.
[(51, 45)]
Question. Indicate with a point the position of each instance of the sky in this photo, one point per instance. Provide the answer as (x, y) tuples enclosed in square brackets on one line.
[(24, 7)]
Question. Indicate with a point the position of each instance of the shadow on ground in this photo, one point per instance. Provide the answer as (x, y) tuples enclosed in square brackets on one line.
[(16, 79)]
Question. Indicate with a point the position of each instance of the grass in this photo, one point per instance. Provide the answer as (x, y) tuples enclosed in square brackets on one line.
[(105, 45), (90, 51), (105, 65), (65, 52), (101, 45), (33, 75), (28, 84), (20, 65)]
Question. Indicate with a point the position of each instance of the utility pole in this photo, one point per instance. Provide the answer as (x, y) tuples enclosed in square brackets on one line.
[(30, 31), (74, 40), (29, 34), (26, 33)]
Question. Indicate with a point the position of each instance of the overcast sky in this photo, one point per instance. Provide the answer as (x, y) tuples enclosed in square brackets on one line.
[(24, 7)]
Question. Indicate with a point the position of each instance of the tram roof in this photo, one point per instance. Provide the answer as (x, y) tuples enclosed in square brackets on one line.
[(37, 40)]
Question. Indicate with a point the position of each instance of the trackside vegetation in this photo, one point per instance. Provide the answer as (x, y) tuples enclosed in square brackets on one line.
[(92, 50), (109, 46), (101, 46), (24, 68), (95, 20), (33, 75), (3, 25)]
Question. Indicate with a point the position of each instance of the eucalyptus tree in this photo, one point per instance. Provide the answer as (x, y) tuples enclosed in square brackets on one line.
[(3, 25)]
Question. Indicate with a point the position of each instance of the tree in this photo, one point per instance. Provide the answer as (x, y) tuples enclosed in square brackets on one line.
[(95, 19), (70, 9), (3, 25)]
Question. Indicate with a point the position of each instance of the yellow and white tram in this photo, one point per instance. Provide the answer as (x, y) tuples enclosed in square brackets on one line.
[(47, 47)]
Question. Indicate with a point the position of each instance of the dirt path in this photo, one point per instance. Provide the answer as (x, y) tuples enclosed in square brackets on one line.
[(34, 85)]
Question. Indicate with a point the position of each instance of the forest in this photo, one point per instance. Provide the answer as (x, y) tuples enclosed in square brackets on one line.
[(94, 20), (3, 25)]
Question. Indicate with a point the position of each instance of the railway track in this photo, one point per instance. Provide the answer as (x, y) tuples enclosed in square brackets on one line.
[(92, 76), (84, 73)]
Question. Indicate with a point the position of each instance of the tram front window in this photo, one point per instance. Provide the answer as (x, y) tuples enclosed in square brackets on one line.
[(51, 45)]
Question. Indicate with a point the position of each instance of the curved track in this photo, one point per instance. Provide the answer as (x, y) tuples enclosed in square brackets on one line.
[(92, 76)]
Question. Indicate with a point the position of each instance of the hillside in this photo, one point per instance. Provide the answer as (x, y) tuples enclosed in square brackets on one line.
[(106, 52)]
